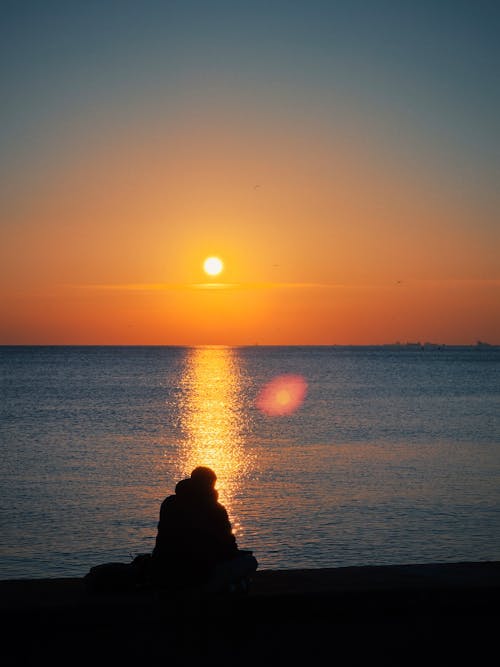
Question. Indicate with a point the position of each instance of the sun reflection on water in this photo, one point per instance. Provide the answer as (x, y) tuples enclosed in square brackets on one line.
[(213, 422)]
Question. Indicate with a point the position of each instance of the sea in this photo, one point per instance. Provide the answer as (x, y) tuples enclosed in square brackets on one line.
[(383, 455)]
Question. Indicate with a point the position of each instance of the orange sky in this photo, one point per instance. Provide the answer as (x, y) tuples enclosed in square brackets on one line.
[(341, 219), (321, 244)]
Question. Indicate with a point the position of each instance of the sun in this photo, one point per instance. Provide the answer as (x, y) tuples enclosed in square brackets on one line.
[(213, 266)]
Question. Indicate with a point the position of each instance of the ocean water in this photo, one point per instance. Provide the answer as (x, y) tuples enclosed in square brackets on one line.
[(393, 456)]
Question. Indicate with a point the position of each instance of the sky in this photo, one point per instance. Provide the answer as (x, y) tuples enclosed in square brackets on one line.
[(341, 159)]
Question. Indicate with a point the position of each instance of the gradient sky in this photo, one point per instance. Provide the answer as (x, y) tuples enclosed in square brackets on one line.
[(342, 158)]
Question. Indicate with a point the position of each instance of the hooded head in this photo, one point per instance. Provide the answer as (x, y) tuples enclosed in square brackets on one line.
[(204, 477), (203, 482), (182, 488)]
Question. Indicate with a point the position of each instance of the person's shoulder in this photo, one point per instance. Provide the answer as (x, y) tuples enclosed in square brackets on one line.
[(168, 500), (220, 510)]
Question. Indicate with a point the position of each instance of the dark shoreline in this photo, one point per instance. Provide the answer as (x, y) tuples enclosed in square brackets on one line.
[(451, 607)]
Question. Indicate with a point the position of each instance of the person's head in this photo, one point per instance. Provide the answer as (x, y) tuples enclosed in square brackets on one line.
[(182, 488), (204, 477)]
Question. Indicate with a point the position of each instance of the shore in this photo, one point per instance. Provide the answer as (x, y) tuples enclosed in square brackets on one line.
[(293, 615)]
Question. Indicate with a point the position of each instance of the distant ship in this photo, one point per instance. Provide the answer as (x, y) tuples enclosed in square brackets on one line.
[(401, 346), (433, 346), (481, 345), (415, 346)]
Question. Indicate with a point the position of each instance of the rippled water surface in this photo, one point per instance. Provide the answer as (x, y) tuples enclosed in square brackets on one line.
[(393, 456)]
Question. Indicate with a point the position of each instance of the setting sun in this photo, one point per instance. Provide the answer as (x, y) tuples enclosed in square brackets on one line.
[(213, 266)]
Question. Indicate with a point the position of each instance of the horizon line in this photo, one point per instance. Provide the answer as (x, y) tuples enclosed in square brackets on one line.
[(397, 344)]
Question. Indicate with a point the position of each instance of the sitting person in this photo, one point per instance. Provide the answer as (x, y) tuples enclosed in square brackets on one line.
[(195, 543), (195, 547)]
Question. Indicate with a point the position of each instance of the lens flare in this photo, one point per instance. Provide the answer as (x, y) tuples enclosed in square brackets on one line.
[(282, 395)]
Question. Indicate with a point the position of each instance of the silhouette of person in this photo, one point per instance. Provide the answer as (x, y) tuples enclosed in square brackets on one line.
[(194, 533), (195, 545)]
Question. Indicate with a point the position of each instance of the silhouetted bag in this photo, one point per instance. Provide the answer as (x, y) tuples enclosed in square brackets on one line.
[(233, 575), (110, 577), (142, 567)]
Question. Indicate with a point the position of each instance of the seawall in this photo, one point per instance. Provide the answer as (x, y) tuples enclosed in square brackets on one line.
[(449, 608)]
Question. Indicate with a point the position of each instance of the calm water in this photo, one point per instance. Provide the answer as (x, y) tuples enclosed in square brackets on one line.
[(394, 456)]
